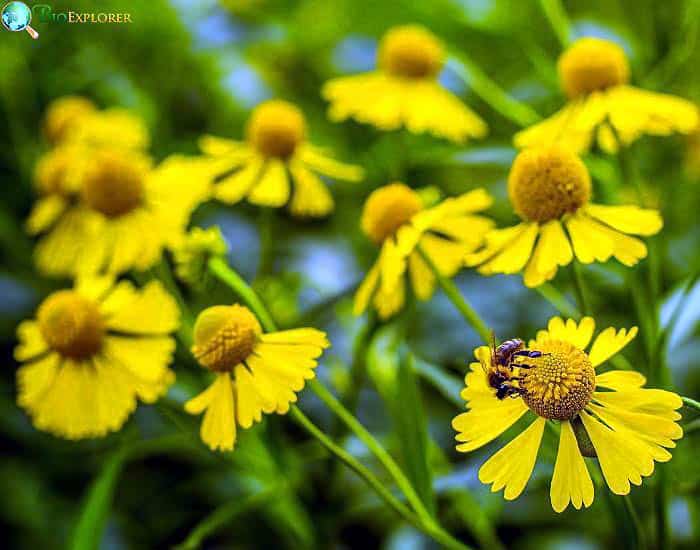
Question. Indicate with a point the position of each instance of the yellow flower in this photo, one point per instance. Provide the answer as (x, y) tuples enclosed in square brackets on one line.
[(594, 74), (194, 251), (116, 128), (62, 114), (275, 152), (608, 415), (550, 189), (395, 219), (120, 218), (255, 372), (92, 352), (404, 90)]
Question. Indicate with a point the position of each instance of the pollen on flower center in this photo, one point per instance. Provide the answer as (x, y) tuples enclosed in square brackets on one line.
[(113, 185), (71, 324), (592, 64), (560, 383), (387, 209), (275, 128), (224, 336), (411, 51), (546, 183)]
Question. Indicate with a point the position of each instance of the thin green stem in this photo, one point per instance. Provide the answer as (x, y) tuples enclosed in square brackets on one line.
[(580, 288), (474, 77), (558, 300), (691, 403), (266, 223), (636, 522), (691, 427), (556, 15), (452, 292), (165, 275)]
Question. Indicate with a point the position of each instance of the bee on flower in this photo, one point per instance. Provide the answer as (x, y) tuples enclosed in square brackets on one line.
[(550, 190), (610, 415), (603, 107), (404, 90), (92, 353), (395, 219), (276, 165), (255, 372)]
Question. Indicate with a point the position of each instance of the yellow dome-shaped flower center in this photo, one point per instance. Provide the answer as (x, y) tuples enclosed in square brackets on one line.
[(411, 51), (592, 64), (71, 324), (560, 383), (113, 185), (224, 336), (388, 208), (62, 115), (546, 183), (275, 128)]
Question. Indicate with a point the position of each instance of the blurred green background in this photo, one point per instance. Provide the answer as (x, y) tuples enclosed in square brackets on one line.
[(191, 67)]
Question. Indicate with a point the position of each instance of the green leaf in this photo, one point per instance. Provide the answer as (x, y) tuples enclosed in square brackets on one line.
[(412, 430)]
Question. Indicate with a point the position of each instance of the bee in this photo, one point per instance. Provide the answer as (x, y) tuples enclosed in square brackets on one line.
[(503, 359)]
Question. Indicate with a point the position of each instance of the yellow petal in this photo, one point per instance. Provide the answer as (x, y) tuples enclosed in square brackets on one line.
[(577, 334), (311, 196), (249, 405), (422, 278), (94, 287), (35, 379), (45, 212), (648, 401), (148, 311), (620, 380), (298, 336), (552, 250), (221, 147), (317, 161), (236, 186), (272, 189), (609, 342), (447, 255), (387, 301), (571, 481), (366, 290), (511, 467), (146, 358), (31, 342), (514, 254), (199, 403), (218, 428), (494, 242), (628, 219)]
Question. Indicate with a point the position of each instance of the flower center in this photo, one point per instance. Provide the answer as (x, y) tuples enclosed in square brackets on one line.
[(546, 183), (71, 324), (560, 383), (411, 51), (113, 185), (224, 336), (388, 208), (275, 128), (592, 64)]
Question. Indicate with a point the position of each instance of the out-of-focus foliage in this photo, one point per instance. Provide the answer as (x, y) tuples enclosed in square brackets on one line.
[(195, 67)]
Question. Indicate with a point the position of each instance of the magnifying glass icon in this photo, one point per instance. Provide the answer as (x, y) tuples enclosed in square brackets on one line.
[(16, 17)]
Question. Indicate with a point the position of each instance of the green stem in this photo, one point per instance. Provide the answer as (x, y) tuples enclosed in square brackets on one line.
[(580, 289), (556, 15), (452, 292), (474, 77), (560, 303), (691, 403), (266, 223), (165, 275), (636, 522), (691, 427)]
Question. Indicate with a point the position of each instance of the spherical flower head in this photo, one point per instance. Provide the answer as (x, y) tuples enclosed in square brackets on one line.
[(547, 182), (388, 208), (559, 384), (62, 114), (411, 51), (224, 336), (592, 64), (114, 183), (71, 324), (276, 128)]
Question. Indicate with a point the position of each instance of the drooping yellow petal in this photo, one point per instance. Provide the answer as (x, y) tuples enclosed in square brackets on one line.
[(315, 159), (218, 428), (511, 467), (35, 379), (514, 253), (552, 250), (236, 186), (494, 243), (31, 342), (146, 358), (297, 336), (310, 197), (571, 481), (648, 401), (628, 219), (45, 212), (593, 241), (94, 287), (221, 147), (272, 189), (620, 380), (422, 277), (389, 301), (609, 342), (149, 311), (249, 404), (366, 290), (447, 255)]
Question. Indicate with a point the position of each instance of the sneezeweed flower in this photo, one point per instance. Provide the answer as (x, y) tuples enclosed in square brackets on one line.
[(404, 90), (192, 254), (62, 114), (255, 372), (550, 190), (275, 152), (594, 74), (122, 215), (608, 415), (115, 127), (92, 353), (395, 219)]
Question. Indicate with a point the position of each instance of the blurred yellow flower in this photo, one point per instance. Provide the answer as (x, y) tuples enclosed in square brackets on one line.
[(121, 216), (62, 114), (594, 74), (116, 128), (92, 352), (608, 415), (404, 90), (550, 188), (194, 251), (395, 219), (255, 372), (275, 152)]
